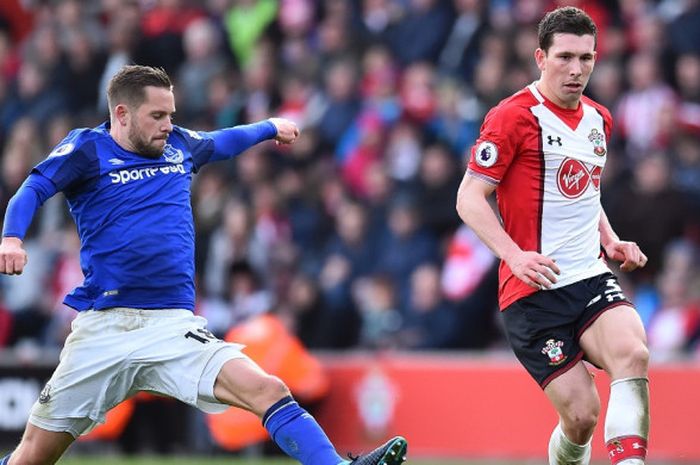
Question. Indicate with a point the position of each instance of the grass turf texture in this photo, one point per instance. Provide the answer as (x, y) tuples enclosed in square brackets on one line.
[(199, 460)]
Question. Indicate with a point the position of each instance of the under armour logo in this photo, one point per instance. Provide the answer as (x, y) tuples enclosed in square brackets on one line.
[(551, 140), (616, 296)]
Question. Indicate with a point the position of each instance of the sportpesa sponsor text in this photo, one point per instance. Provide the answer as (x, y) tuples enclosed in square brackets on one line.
[(124, 176)]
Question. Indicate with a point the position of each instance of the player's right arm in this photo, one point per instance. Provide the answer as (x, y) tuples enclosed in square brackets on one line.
[(534, 269), (21, 209), (68, 165), (491, 158)]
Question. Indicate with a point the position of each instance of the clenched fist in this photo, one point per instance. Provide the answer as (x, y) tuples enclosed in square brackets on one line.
[(287, 131), (12, 256)]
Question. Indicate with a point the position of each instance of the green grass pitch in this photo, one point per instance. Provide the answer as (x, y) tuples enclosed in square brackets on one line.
[(198, 460)]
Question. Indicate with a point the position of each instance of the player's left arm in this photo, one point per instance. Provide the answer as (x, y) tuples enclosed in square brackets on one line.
[(626, 252), (229, 142), (226, 143)]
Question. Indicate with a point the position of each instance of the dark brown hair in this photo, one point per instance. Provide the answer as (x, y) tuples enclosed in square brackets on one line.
[(567, 20), (128, 85)]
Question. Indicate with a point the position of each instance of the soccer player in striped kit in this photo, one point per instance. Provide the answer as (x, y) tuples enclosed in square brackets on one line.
[(543, 151)]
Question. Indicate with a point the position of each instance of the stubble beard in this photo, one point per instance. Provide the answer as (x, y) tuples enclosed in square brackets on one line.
[(143, 148)]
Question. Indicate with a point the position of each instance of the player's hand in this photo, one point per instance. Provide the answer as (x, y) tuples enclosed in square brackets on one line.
[(534, 269), (12, 256), (287, 131), (628, 253)]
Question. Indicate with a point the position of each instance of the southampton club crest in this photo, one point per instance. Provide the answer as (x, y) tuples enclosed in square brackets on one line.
[(172, 154), (598, 139), (552, 349)]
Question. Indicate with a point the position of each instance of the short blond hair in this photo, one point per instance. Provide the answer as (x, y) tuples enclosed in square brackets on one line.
[(129, 84)]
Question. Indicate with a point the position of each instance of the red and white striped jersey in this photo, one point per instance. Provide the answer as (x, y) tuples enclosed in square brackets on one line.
[(546, 162)]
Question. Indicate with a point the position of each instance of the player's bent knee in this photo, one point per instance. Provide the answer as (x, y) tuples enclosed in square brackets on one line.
[(581, 421), (640, 356), (262, 393), (634, 361), (276, 389), (270, 390)]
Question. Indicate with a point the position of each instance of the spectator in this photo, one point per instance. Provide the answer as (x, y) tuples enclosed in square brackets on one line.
[(421, 32), (163, 28), (430, 320), (85, 65), (341, 104), (460, 54), (644, 113), (304, 313), (32, 97), (203, 60), (456, 120), (405, 245), (246, 21), (678, 315), (684, 30), (687, 73), (657, 215), (234, 241), (470, 282), (381, 318), (122, 37), (686, 173), (438, 180)]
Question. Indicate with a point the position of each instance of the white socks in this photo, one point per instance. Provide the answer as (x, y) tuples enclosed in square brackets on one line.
[(564, 452), (626, 428), (627, 421)]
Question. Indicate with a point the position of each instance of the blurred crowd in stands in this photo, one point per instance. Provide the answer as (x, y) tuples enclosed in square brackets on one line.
[(350, 236)]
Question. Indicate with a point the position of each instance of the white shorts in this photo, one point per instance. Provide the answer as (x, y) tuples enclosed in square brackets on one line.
[(110, 355)]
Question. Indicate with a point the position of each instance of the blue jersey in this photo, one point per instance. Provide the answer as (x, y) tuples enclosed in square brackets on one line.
[(133, 215)]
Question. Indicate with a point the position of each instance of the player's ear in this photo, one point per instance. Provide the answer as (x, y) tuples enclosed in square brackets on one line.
[(540, 56), (121, 112)]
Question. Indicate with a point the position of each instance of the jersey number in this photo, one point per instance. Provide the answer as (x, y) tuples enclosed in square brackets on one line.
[(203, 336), (613, 291)]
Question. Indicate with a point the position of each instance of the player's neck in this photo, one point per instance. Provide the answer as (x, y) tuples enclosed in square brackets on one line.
[(121, 139)]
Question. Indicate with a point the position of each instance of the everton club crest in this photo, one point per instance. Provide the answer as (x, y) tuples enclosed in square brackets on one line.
[(598, 139)]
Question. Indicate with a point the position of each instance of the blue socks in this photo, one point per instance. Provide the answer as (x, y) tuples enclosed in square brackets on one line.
[(298, 434), (5, 460)]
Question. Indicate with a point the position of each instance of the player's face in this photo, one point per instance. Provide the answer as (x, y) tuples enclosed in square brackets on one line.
[(566, 68), (151, 123)]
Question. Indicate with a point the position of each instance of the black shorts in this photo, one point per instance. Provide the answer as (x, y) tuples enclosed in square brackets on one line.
[(544, 328)]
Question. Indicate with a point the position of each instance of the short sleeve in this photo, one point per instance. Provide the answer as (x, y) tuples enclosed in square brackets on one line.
[(497, 144), (71, 162)]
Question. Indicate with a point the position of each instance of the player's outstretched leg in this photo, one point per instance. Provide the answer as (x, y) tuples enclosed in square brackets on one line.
[(392, 452), (242, 383), (301, 437), (627, 421)]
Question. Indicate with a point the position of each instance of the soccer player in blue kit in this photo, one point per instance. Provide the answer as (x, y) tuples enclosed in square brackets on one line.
[(127, 183)]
